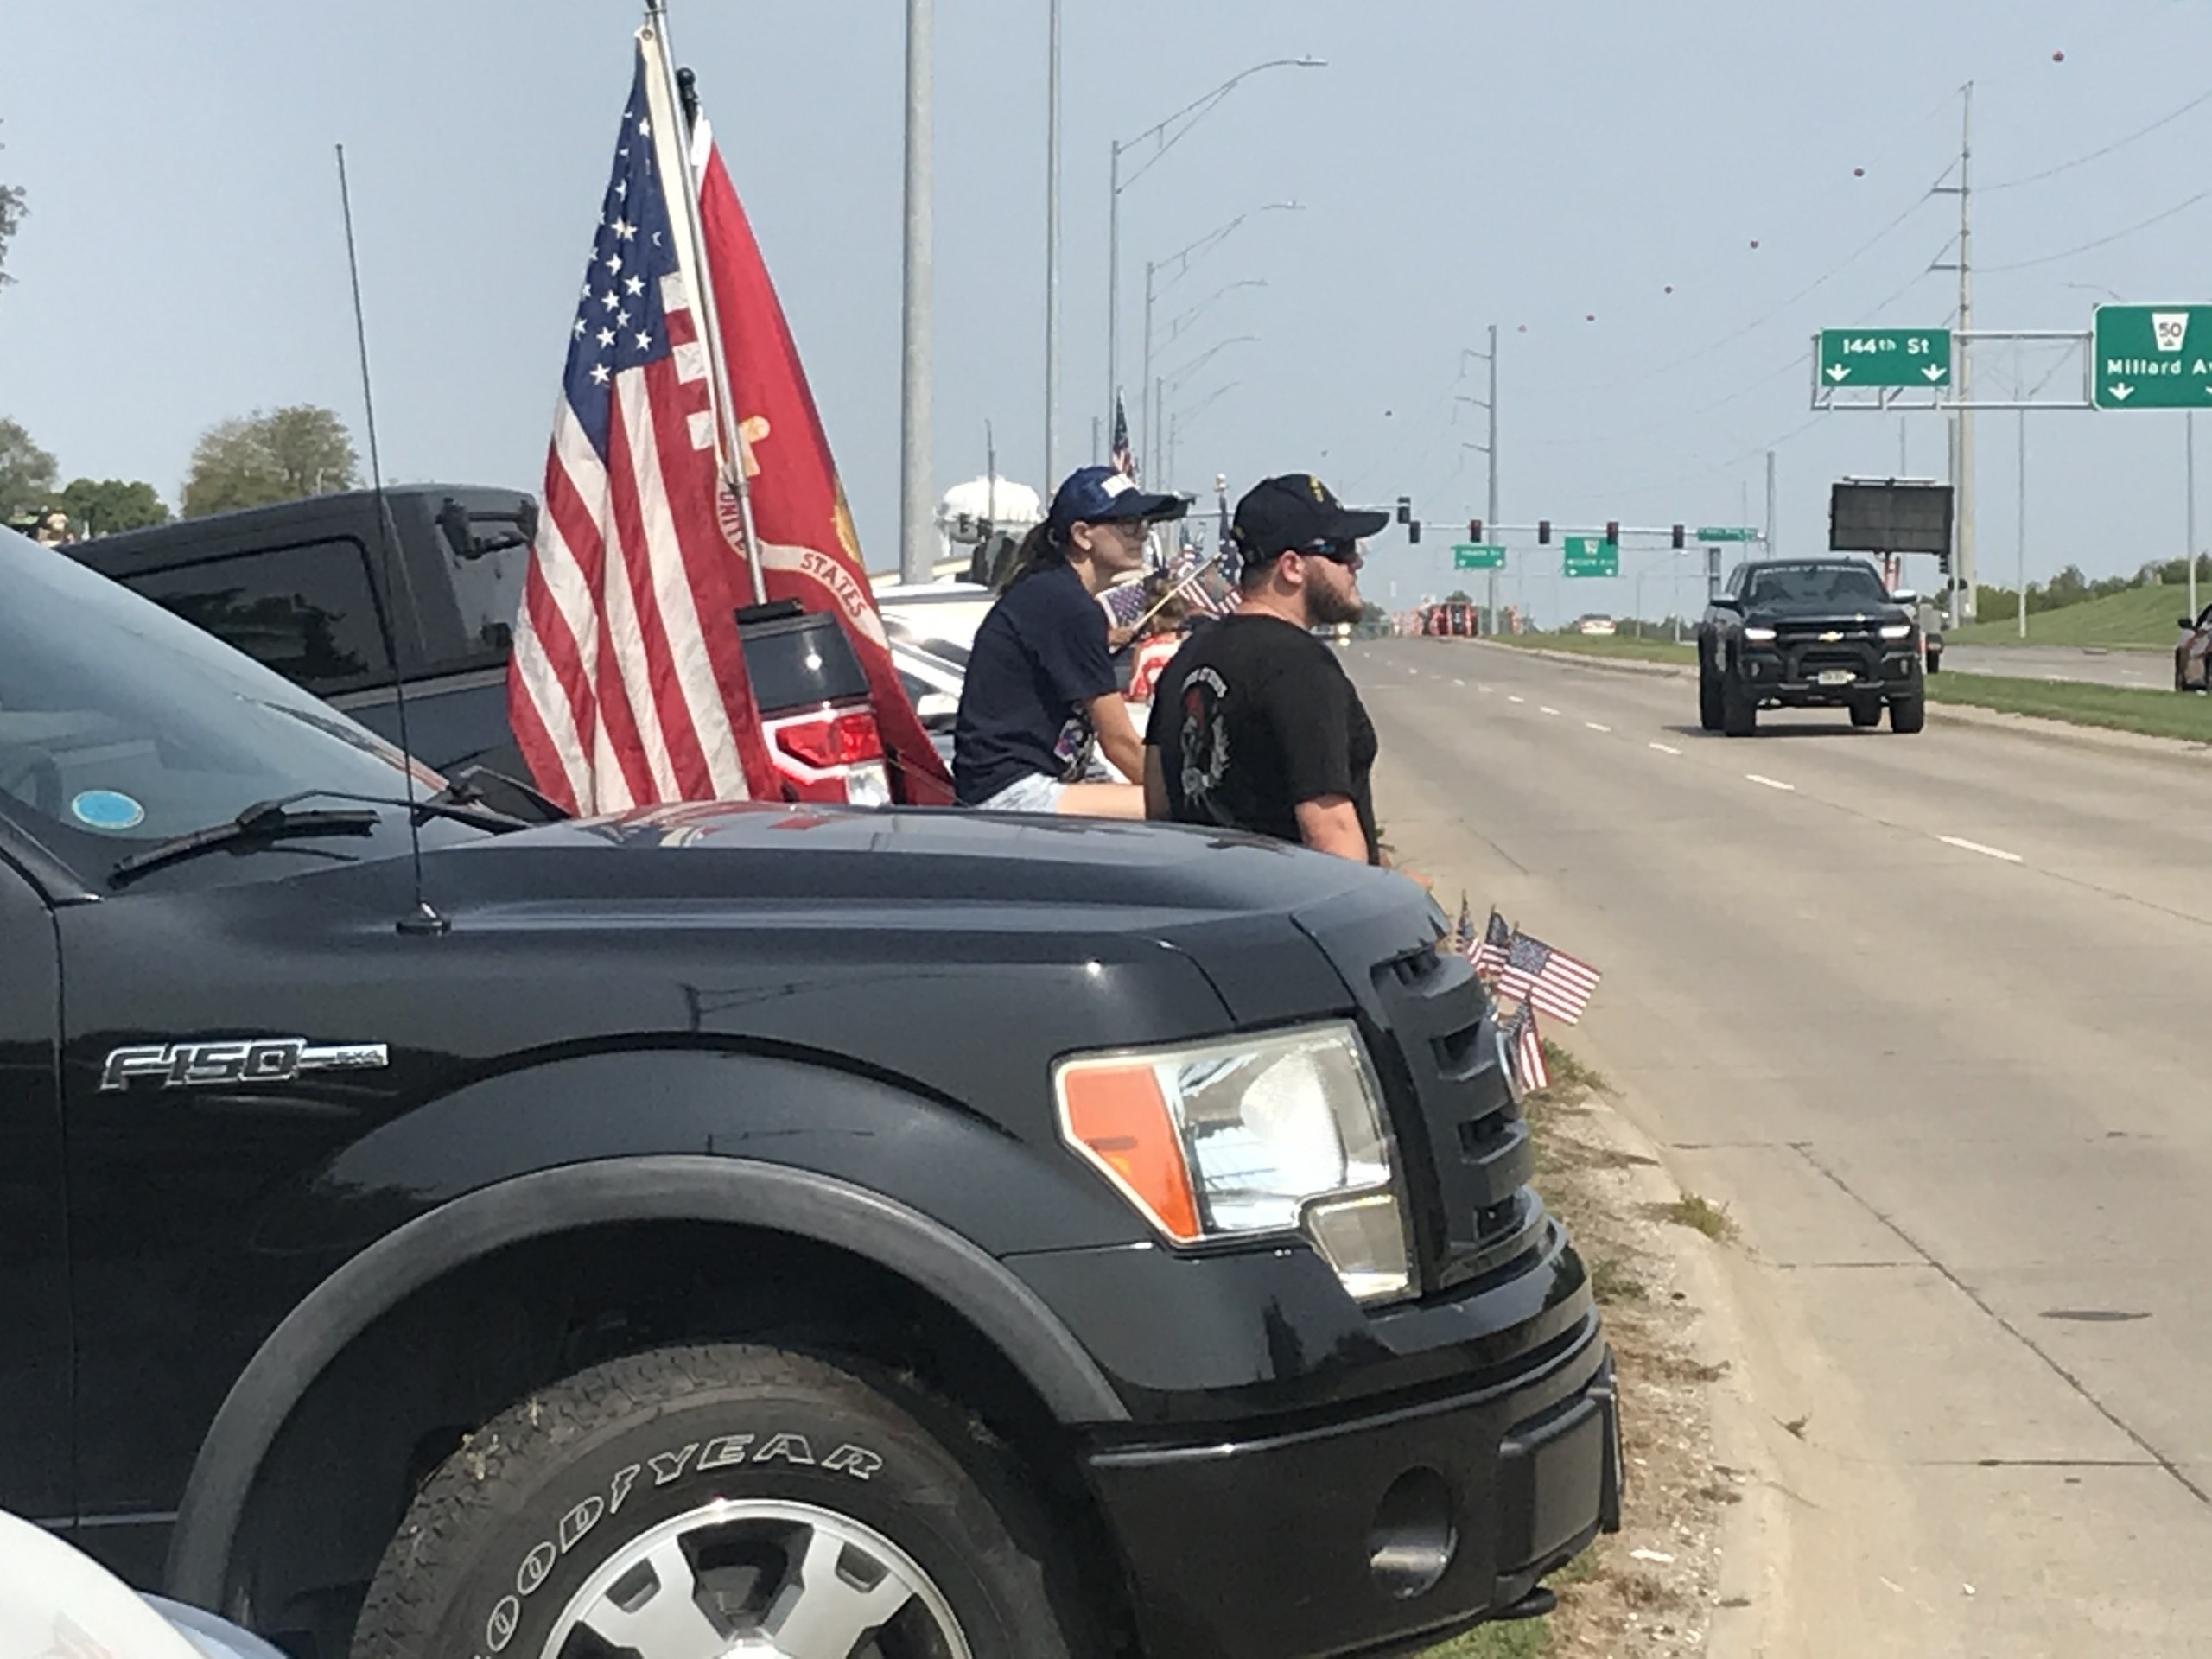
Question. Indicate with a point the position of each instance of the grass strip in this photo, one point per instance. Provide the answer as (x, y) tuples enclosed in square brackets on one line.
[(2115, 707)]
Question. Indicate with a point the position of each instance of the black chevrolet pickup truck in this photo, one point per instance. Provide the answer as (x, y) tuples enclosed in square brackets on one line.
[(1810, 633), (427, 1232)]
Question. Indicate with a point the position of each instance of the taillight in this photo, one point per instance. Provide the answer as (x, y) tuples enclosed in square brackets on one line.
[(833, 741)]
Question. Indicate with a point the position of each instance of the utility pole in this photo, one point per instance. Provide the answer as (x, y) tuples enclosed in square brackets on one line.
[(2189, 424), (917, 463), (2020, 548), (1770, 552), (1962, 562), (1148, 444), (1053, 246)]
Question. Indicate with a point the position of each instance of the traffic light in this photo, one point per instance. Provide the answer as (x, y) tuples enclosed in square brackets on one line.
[(1474, 530), (1678, 536), (1405, 509), (1413, 530), (1544, 531), (1612, 532)]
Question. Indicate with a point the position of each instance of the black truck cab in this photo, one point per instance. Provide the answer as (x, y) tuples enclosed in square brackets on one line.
[(739, 1228)]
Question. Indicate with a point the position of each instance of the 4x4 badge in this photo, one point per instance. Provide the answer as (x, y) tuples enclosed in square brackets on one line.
[(247, 1060)]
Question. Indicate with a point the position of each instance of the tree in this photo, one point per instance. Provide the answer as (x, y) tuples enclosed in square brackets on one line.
[(27, 471), (107, 505), (292, 452), (11, 218)]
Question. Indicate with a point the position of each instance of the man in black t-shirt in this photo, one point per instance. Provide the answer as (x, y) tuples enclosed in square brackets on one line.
[(1255, 725)]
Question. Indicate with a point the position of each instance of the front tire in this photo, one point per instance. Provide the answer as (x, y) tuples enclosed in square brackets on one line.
[(1708, 700), (1908, 714), (1739, 708), (1866, 713), (674, 1503)]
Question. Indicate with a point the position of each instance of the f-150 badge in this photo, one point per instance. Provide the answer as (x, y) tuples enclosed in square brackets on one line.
[(247, 1060)]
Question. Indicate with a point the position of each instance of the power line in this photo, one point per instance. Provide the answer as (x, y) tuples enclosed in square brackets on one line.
[(2102, 241), (2099, 154)]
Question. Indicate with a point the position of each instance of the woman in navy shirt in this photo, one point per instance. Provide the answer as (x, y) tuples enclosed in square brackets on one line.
[(1041, 692)]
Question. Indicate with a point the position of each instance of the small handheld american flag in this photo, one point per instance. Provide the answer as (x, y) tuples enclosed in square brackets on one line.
[(1487, 952), (1122, 459), (1524, 1050), (1550, 980)]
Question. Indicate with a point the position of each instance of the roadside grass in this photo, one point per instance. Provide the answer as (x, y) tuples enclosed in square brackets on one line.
[(2116, 707), (2140, 617), (1648, 651), (1700, 1215), (1523, 1638)]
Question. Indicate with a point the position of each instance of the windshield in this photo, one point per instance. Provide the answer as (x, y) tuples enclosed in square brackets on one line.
[(1815, 588), (122, 725)]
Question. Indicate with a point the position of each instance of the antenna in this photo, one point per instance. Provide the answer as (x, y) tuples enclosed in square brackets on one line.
[(421, 919)]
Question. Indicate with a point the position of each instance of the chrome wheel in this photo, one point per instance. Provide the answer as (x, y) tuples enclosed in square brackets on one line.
[(758, 1578)]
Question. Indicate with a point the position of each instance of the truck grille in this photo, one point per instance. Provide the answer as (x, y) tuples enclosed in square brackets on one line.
[(1469, 1162)]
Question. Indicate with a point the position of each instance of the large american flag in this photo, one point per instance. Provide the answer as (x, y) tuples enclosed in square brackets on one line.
[(627, 683), (1549, 979)]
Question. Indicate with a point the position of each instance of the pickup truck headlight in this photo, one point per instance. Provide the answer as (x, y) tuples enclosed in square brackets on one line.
[(1897, 631), (1758, 636), (1276, 1133)]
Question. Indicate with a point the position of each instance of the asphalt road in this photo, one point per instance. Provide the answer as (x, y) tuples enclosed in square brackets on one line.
[(2147, 670), (1933, 1016)]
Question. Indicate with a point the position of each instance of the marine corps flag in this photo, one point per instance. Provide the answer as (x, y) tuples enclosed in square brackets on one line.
[(809, 550)]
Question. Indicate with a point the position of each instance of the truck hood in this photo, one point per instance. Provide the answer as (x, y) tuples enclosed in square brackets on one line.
[(1803, 621), (983, 886)]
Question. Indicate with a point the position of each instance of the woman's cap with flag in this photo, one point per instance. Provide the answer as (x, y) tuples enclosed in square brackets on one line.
[(1099, 495)]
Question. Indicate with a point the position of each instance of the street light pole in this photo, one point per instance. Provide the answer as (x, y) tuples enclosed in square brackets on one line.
[(1182, 121), (916, 549), (2190, 421), (1053, 246), (1181, 263)]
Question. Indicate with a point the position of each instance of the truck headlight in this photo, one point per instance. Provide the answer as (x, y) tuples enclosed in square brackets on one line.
[(1897, 631), (1249, 1135), (1758, 636)]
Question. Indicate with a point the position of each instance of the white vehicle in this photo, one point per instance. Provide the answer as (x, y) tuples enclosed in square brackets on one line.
[(55, 1601)]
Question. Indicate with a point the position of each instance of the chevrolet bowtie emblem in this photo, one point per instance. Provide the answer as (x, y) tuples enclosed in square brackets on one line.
[(1830, 637)]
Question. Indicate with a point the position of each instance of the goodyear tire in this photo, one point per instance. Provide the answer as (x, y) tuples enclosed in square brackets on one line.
[(1866, 713), (1908, 713), (694, 1501), (1708, 700), (1739, 710)]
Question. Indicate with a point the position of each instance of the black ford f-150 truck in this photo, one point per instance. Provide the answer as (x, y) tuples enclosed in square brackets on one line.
[(1809, 633), (740, 1230)]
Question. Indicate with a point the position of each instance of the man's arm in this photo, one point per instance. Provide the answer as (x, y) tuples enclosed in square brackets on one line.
[(1109, 718), (1329, 824), (1155, 785)]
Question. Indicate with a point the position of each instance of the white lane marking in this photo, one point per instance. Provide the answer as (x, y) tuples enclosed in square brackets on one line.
[(1546, 708), (1771, 783), (1965, 845), (1479, 686), (1458, 682), (1664, 749), (1510, 698), (1595, 727)]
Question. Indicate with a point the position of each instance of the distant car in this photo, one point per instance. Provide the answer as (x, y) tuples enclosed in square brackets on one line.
[(53, 1600), (2192, 652), (1809, 633), (1599, 626)]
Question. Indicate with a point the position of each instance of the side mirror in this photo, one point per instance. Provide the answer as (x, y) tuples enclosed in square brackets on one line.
[(1905, 596), (1726, 602)]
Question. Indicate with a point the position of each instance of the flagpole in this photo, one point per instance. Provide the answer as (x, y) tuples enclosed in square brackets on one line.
[(916, 458), (653, 38)]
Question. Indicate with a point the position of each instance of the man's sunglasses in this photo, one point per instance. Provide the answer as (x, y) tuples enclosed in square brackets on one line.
[(1344, 553)]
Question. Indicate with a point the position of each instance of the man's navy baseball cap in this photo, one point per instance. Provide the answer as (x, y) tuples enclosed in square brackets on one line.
[(1297, 513), (1099, 495)]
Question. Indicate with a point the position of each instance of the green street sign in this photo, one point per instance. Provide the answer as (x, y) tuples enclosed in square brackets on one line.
[(1588, 556), (1478, 556), (1885, 357), (1726, 533), (2152, 357)]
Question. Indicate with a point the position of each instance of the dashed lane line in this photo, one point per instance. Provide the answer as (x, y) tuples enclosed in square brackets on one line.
[(1964, 845), (1771, 783), (1664, 748), (1545, 707), (1510, 698), (1595, 727)]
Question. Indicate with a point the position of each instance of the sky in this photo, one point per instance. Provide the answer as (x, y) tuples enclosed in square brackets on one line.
[(1656, 204)]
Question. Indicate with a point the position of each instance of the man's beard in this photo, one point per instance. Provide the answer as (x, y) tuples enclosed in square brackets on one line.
[(1328, 607)]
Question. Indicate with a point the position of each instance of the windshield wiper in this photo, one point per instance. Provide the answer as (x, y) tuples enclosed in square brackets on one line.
[(264, 821), (275, 821)]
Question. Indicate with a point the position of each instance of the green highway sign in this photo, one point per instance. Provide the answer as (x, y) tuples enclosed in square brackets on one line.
[(1726, 533), (1885, 357), (1478, 556), (2152, 357), (1588, 556)]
